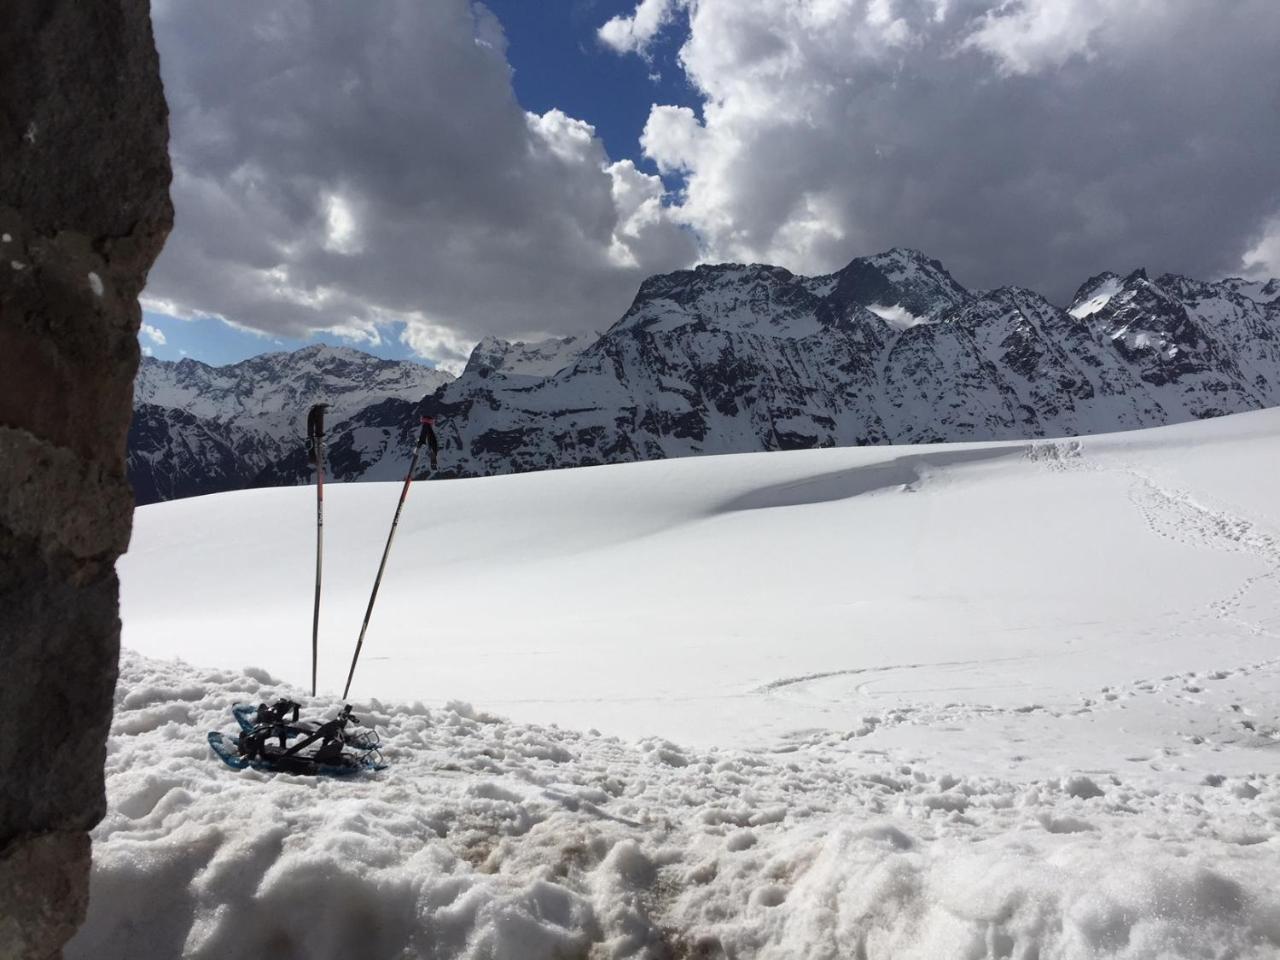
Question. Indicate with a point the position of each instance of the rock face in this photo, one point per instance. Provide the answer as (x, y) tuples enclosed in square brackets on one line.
[(84, 210)]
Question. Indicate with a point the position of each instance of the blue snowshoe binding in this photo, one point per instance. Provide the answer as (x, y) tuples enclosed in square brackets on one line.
[(273, 739)]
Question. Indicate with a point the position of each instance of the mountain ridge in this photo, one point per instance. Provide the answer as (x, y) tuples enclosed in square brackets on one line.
[(199, 428), (891, 348)]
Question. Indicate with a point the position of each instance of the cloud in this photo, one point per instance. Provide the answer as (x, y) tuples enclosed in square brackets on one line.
[(344, 167), (154, 334), (1033, 35), (1027, 141), (428, 339), (633, 34), (1262, 260)]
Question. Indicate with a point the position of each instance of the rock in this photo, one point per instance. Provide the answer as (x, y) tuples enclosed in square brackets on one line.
[(84, 210)]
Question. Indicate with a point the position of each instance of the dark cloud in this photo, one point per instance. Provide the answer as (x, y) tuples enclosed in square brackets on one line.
[(345, 165)]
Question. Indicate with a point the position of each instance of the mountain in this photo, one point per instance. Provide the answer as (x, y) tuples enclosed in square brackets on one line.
[(891, 349), (202, 429), (735, 358)]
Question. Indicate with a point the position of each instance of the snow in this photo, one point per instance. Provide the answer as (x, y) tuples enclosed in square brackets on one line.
[(267, 396), (1097, 298), (95, 284), (989, 699), (1260, 291), (541, 358), (896, 316)]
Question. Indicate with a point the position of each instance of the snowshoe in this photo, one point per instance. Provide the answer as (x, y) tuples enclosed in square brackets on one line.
[(274, 739)]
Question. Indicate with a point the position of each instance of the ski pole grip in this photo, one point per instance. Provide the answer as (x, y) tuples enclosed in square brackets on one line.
[(428, 436), (315, 421)]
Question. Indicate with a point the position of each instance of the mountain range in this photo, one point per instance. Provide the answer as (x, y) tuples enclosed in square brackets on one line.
[(201, 429), (734, 358)]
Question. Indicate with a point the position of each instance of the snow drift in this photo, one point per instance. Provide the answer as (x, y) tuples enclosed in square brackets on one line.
[(983, 700), (488, 839)]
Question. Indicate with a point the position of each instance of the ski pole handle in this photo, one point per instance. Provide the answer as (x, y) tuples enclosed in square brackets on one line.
[(315, 430), (428, 436), (315, 420)]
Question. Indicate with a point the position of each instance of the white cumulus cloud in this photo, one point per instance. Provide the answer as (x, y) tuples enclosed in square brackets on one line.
[(345, 167), (154, 334), (1027, 141), (1262, 260), (633, 34)]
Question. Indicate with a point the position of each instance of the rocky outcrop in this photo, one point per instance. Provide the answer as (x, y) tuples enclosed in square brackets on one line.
[(84, 210)]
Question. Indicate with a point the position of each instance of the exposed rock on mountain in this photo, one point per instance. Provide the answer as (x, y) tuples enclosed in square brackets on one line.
[(201, 429), (891, 349)]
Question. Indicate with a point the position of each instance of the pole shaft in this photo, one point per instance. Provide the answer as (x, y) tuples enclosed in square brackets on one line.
[(315, 616), (395, 521)]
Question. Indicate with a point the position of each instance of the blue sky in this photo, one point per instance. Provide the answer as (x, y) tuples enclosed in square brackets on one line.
[(558, 63)]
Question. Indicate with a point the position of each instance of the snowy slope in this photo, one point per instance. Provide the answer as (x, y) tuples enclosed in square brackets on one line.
[(996, 699)]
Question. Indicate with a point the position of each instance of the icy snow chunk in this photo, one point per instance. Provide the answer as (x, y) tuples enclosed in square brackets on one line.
[(146, 695), (769, 815), (890, 835), (95, 284), (740, 840), (144, 721), (628, 862), (950, 802), (1081, 786), (261, 676), (1064, 824), (489, 790), (468, 712), (663, 751)]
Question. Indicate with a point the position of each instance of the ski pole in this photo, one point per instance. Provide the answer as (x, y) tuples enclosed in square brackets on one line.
[(426, 436), (315, 446)]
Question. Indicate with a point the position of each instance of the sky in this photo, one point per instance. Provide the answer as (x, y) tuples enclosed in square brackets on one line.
[(408, 177)]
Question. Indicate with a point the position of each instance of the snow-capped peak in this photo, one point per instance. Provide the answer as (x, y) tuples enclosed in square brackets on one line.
[(1259, 291), (1095, 294), (539, 358)]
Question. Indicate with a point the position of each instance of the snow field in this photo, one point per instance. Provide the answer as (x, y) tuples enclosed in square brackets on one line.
[(1002, 700), (735, 600), (490, 839)]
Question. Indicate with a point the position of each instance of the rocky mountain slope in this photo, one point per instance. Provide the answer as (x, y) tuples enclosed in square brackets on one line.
[(201, 429), (891, 349)]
